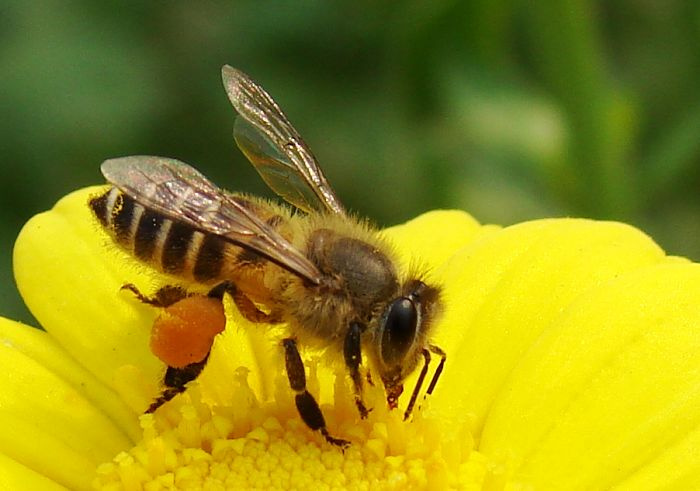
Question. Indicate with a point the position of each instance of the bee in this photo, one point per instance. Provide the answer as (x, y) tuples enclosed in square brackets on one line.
[(326, 275)]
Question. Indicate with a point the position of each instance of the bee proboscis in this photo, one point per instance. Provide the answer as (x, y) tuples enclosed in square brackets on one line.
[(329, 277)]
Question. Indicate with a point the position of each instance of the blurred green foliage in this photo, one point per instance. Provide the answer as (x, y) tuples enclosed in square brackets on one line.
[(511, 110)]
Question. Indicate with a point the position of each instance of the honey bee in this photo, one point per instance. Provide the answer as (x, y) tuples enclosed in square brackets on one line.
[(326, 275)]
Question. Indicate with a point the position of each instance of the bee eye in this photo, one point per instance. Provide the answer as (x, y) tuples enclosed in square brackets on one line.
[(399, 330)]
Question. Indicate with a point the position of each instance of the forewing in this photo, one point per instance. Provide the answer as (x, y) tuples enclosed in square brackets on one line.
[(275, 148), (179, 192)]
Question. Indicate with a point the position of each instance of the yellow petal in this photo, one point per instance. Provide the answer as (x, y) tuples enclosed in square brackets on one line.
[(675, 467), (70, 276), (49, 422), (433, 237), (613, 382), (42, 349), (242, 344), (502, 292), (14, 475)]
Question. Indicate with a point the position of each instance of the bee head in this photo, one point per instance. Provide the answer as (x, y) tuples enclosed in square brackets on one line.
[(402, 334)]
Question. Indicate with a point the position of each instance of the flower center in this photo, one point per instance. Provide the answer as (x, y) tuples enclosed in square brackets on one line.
[(192, 444)]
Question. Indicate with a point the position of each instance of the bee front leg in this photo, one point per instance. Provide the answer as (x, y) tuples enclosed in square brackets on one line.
[(421, 377), (353, 357), (436, 376), (419, 384), (307, 406)]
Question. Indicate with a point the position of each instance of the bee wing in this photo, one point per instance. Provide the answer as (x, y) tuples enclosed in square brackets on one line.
[(179, 192), (275, 148)]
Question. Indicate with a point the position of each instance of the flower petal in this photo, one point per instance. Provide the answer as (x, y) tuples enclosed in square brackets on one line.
[(50, 422), (617, 388), (435, 236), (14, 475), (504, 291)]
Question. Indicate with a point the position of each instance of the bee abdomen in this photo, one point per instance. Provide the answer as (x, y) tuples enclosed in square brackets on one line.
[(210, 259), (171, 246), (146, 237), (101, 208), (178, 240), (116, 213)]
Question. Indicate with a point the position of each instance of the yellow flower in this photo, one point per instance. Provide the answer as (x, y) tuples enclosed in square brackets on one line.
[(573, 363)]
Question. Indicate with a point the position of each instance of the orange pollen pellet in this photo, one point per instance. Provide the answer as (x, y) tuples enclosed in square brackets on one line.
[(184, 332)]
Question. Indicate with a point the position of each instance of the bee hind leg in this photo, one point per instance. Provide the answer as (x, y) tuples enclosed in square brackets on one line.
[(175, 382), (164, 297), (353, 358), (307, 406), (176, 378)]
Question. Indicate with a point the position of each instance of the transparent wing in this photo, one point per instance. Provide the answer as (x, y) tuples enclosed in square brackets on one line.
[(179, 192), (275, 169), (276, 150)]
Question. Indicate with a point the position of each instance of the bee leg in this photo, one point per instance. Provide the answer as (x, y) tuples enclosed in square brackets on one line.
[(175, 382), (244, 304), (223, 287), (443, 358), (419, 384), (353, 357), (164, 297), (421, 377), (307, 406)]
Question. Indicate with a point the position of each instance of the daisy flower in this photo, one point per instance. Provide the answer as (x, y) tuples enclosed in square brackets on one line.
[(572, 363)]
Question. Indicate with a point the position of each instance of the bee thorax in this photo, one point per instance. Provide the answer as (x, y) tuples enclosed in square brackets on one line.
[(357, 268), (357, 280)]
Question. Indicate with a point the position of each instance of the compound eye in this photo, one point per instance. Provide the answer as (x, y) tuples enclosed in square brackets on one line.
[(399, 330)]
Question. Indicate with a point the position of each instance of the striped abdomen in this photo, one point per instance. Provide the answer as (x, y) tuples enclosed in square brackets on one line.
[(171, 246)]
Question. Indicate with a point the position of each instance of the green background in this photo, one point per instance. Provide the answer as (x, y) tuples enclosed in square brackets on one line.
[(511, 110)]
